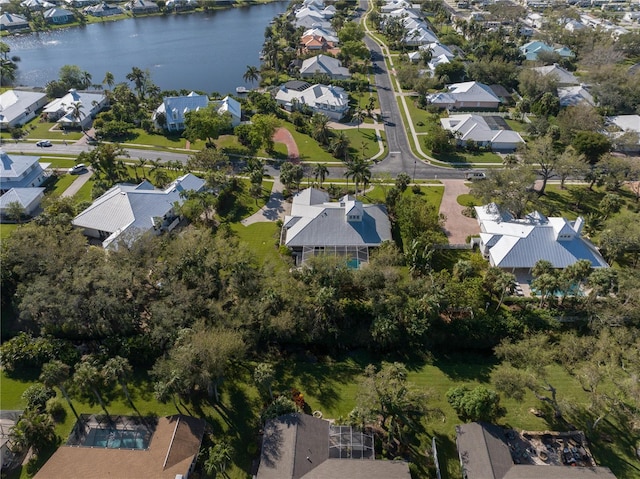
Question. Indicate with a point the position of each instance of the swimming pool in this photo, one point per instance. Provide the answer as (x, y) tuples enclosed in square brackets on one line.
[(119, 439)]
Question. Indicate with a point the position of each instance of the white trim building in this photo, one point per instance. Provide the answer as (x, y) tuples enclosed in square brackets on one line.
[(17, 107)]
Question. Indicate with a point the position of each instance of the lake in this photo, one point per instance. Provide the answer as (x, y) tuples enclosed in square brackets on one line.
[(206, 51)]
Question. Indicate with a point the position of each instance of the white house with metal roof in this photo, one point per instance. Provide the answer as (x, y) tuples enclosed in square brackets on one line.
[(333, 101), (517, 244), (17, 107), (485, 131), (469, 94), (344, 228), (324, 65), (21, 178), (563, 76), (127, 211), (60, 110), (175, 108)]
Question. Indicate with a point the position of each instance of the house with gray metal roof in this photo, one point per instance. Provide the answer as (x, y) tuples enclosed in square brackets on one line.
[(467, 95), (517, 244), (485, 452), (17, 107), (331, 100), (61, 110), (175, 108), (13, 22), (346, 228), (21, 171), (486, 131), (127, 211), (324, 65), (300, 446), (563, 76)]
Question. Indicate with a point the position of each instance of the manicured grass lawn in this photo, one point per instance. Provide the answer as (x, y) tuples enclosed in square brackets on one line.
[(467, 199), (59, 162), (84, 193), (262, 239), (363, 139), (310, 149), (56, 185), (418, 116), (36, 129), (141, 137), (516, 125), (433, 194), (468, 158)]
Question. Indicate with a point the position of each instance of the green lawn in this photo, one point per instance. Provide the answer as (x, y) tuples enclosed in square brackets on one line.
[(364, 139), (84, 193), (418, 116), (310, 149), (516, 125), (56, 185), (170, 140), (262, 239), (433, 194), (5, 232), (36, 129), (59, 161), (468, 158)]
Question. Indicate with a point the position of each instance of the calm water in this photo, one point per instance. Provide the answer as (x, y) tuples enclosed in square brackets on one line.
[(198, 51)]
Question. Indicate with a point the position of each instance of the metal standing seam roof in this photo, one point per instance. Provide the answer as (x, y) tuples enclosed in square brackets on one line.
[(24, 196), (521, 243), (13, 103), (14, 166), (324, 64)]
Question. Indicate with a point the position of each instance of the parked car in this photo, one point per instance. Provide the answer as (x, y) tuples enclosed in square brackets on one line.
[(44, 143), (79, 168), (475, 175)]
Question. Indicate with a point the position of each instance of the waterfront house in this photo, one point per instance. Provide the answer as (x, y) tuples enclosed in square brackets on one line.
[(17, 107), (13, 22), (230, 106), (58, 16), (103, 10), (331, 100), (61, 109), (346, 228), (324, 65), (36, 5), (175, 108), (327, 33), (466, 95), (142, 6), (128, 211)]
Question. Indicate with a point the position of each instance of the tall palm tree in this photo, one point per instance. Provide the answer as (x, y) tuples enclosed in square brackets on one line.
[(120, 369), (139, 79), (142, 162), (75, 108), (340, 146), (359, 169), (320, 128), (109, 79), (56, 373), (252, 74), (358, 116), (320, 172), (88, 379)]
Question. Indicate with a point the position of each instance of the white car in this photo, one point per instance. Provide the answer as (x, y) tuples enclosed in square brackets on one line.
[(78, 169)]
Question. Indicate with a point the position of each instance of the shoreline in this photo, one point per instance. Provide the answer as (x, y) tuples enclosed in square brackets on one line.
[(127, 15)]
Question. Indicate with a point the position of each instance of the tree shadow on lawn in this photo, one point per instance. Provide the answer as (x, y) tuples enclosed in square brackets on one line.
[(447, 449), (465, 366)]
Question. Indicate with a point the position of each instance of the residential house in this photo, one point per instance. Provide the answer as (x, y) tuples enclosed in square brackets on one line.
[(327, 33), (58, 16), (232, 107), (175, 108), (127, 211), (517, 244), (142, 6), (465, 95), (315, 43), (171, 453), (296, 446), (574, 95), (21, 179), (331, 100), (181, 5), (419, 35), (436, 48), (103, 10), (624, 131), (17, 107), (21, 171), (13, 22), (8, 419), (531, 50), (486, 131), (393, 5), (485, 452), (563, 76), (80, 3), (61, 110), (574, 26), (36, 5), (346, 228), (311, 21), (324, 65)]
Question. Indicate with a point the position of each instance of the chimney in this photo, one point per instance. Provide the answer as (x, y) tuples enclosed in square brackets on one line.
[(578, 224)]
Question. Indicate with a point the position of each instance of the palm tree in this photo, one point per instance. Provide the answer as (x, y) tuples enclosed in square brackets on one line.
[(75, 108), (320, 172), (139, 79), (86, 80), (340, 146), (120, 369), (360, 170), (32, 430), (56, 373), (109, 79), (320, 128), (358, 116), (88, 378), (142, 162), (251, 75)]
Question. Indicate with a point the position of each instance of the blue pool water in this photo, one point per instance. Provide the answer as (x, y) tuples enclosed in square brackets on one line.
[(117, 439)]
